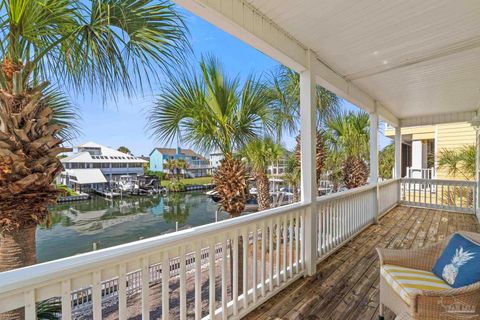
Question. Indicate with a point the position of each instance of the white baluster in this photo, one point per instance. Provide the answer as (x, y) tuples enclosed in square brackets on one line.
[(166, 286), (122, 291)]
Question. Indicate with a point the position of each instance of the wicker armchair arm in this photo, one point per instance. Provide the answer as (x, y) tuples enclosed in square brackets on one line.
[(422, 258), (447, 303)]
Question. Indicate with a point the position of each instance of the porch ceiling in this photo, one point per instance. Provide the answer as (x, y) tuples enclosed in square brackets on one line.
[(416, 58)]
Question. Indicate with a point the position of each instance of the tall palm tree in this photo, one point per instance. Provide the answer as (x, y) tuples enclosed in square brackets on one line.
[(171, 166), (347, 137), (182, 166), (259, 154), (212, 111), (285, 92), (103, 45), (292, 175)]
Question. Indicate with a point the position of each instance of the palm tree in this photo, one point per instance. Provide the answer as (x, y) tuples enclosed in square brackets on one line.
[(170, 165), (259, 154), (386, 161), (292, 175), (459, 162), (347, 137), (182, 166), (106, 46), (213, 111), (285, 92)]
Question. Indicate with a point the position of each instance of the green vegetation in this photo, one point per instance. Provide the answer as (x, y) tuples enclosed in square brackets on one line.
[(459, 162), (258, 155), (347, 141), (65, 191), (105, 46), (212, 111), (386, 161), (190, 181), (124, 149)]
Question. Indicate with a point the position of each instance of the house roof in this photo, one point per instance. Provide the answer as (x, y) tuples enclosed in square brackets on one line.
[(173, 151), (86, 176), (106, 155)]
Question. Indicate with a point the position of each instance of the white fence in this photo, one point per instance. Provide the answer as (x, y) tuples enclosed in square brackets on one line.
[(266, 255), (388, 195), (453, 195), (222, 270), (343, 215)]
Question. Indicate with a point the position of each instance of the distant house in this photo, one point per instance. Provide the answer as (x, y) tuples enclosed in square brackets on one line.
[(215, 158), (94, 166), (197, 165), (421, 147)]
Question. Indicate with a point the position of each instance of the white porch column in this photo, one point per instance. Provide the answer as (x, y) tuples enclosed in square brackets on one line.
[(398, 152), (308, 164), (398, 160), (373, 147), (477, 172), (374, 160)]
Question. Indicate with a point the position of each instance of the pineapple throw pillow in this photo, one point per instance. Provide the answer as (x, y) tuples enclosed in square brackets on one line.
[(459, 264)]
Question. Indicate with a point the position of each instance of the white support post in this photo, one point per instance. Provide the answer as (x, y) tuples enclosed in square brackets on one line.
[(374, 159), (477, 172), (398, 160), (308, 164), (398, 152)]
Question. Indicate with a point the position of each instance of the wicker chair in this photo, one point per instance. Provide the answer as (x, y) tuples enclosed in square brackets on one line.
[(428, 304)]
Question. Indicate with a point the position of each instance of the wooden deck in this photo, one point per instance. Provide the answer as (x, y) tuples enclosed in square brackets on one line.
[(346, 283)]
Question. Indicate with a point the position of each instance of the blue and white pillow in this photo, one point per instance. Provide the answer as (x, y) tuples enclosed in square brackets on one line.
[(459, 264)]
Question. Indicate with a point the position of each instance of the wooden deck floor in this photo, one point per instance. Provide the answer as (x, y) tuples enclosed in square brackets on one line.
[(346, 283)]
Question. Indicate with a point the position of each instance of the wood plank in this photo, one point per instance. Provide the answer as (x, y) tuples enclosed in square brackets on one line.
[(346, 283)]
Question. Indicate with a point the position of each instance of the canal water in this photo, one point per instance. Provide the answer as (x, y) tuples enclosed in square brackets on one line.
[(75, 226)]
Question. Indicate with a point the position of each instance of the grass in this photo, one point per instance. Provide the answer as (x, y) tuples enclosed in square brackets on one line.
[(191, 181)]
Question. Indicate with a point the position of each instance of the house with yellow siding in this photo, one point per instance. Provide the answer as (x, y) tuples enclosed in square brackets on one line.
[(421, 147)]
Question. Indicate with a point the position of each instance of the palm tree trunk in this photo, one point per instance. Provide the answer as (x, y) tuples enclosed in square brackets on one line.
[(263, 191), (17, 249)]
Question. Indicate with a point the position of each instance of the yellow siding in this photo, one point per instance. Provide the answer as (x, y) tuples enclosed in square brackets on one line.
[(428, 131), (453, 136)]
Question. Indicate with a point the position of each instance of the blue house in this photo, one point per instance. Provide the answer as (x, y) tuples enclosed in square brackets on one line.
[(198, 166)]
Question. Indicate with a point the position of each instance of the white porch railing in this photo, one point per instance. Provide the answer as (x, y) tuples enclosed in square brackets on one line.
[(272, 257), (221, 270), (421, 173), (453, 195), (341, 216)]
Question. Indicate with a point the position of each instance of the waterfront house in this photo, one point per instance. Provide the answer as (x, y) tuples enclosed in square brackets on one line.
[(422, 145), (93, 166), (197, 165), (408, 63), (215, 158)]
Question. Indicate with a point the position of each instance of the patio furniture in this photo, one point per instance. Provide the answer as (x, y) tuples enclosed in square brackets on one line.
[(430, 298)]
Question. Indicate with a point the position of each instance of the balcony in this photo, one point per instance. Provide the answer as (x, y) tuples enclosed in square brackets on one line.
[(211, 275)]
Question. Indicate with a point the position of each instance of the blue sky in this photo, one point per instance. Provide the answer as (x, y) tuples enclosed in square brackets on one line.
[(124, 122)]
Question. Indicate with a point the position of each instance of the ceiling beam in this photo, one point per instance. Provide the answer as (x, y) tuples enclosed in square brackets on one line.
[(453, 117)]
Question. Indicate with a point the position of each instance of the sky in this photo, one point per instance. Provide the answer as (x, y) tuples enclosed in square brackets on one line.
[(123, 122)]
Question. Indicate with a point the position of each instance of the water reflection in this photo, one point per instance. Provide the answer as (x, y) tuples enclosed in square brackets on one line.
[(74, 227)]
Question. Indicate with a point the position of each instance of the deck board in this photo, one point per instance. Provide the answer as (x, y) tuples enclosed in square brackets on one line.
[(346, 283)]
